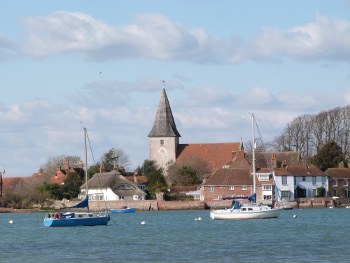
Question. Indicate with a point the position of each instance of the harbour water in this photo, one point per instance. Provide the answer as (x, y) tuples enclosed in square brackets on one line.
[(315, 235)]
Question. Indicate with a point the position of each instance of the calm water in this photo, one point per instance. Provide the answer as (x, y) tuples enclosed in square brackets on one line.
[(316, 235)]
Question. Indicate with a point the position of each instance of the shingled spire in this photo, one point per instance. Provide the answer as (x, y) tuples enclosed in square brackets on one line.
[(164, 124)]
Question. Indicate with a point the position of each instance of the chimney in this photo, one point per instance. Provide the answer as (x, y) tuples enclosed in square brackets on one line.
[(284, 164), (115, 168), (135, 177), (341, 165), (274, 161), (102, 168), (58, 167), (66, 165), (286, 167), (40, 171), (80, 165)]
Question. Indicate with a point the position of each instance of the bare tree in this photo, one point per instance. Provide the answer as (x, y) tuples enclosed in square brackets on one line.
[(50, 167)]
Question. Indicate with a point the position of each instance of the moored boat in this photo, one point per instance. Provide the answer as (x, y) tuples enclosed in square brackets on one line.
[(79, 218), (247, 211), (123, 209)]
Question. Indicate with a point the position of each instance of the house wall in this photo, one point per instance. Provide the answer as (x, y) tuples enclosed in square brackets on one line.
[(284, 187), (109, 195), (220, 192), (339, 182), (310, 187)]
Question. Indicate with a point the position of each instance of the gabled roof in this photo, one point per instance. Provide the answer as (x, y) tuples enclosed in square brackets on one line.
[(304, 170), (164, 124), (112, 180), (281, 172), (230, 176), (215, 154), (291, 158), (339, 173)]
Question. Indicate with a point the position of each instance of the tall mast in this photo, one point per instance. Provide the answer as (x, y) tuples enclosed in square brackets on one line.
[(253, 156), (86, 167)]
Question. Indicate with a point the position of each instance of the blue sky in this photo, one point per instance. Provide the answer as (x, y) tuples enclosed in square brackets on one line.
[(220, 60)]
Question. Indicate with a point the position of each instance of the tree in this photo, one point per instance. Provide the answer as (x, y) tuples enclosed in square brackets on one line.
[(156, 183), (190, 172), (329, 156), (115, 156), (50, 167), (71, 186)]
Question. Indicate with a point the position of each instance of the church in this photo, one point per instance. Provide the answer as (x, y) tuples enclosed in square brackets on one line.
[(165, 147)]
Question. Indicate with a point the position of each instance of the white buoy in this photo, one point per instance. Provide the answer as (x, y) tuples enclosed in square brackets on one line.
[(199, 218), (143, 223), (11, 221), (294, 216)]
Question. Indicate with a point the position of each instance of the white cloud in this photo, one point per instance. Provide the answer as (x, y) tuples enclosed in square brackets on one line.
[(155, 36), (325, 39)]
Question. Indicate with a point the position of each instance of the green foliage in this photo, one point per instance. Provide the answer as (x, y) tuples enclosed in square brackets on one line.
[(321, 192), (71, 189), (155, 178), (54, 190), (187, 176), (147, 167), (329, 156), (341, 192)]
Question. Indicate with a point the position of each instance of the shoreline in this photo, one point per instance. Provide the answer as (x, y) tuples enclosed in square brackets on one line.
[(154, 205)]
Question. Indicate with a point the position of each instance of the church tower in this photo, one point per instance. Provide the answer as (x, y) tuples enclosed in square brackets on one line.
[(164, 137)]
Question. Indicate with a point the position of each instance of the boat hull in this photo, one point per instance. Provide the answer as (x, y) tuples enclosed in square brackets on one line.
[(235, 214), (126, 210), (83, 219)]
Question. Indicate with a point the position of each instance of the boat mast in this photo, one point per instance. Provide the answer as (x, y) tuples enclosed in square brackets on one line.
[(86, 167), (253, 155)]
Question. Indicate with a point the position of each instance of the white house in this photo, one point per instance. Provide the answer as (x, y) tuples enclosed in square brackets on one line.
[(110, 186), (299, 181)]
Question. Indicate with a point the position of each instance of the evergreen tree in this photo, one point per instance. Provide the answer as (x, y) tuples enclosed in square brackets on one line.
[(329, 156)]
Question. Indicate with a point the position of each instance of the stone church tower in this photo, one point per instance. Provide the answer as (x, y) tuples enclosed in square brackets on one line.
[(164, 137)]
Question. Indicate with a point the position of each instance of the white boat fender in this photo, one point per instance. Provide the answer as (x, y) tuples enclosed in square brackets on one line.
[(294, 216), (143, 223), (11, 221)]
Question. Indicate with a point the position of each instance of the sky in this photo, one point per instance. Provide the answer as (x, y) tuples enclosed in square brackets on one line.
[(68, 64)]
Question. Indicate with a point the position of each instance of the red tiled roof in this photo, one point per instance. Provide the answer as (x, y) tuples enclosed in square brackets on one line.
[(281, 171), (230, 176), (340, 173), (141, 179), (304, 170), (215, 154)]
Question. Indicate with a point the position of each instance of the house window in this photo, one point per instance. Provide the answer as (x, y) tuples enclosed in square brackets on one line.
[(314, 180), (162, 142), (267, 197), (284, 180), (211, 188), (346, 192), (231, 187), (345, 182), (304, 178), (121, 197), (215, 197), (267, 187), (335, 182), (295, 180), (244, 187), (285, 194), (323, 180)]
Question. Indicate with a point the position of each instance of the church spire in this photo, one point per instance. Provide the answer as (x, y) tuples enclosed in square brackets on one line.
[(164, 124)]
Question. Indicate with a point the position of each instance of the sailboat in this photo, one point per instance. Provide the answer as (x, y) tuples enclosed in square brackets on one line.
[(247, 211), (60, 219)]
